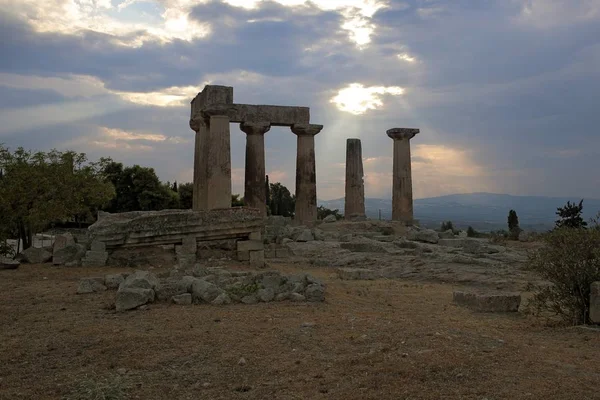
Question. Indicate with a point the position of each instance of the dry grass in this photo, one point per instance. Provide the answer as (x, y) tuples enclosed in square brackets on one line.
[(370, 340)]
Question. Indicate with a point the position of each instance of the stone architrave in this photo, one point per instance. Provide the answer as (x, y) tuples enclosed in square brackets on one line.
[(354, 205), (306, 175), (254, 185), (402, 195)]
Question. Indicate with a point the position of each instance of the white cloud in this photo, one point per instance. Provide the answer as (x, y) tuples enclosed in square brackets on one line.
[(545, 14), (358, 99)]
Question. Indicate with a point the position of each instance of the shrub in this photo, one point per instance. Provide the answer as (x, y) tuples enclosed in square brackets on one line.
[(446, 226), (570, 261), (471, 232), (498, 237), (570, 216)]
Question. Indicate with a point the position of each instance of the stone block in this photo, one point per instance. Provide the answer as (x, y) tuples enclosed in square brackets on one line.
[(501, 302), (305, 236), (243, 256), (595, 303), (62, 241), (94, 258), (70, 252), (282, 253), (257, 258), (98, 246), (130, 298), (113, 281), (35, 255), (140, 280), (250, 245), (355, 274), (91, 285), (182, 299), (315, 293), (255, 236), (269, 254)]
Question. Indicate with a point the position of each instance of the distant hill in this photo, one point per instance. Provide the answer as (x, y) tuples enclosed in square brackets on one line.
[(482, 211)]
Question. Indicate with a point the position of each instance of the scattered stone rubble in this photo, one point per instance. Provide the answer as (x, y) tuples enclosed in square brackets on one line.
[(8, 263), (214, 285)]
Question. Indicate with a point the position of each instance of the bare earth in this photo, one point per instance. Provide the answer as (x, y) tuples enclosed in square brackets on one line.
[(383, 339)]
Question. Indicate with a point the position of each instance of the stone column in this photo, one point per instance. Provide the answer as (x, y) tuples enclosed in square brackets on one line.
[(402, 196), (199, 200), (254, 184), (354, 206), (218, 163), (306, 175)]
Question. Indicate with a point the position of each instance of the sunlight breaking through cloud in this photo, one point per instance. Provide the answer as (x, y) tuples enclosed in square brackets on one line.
[(358, 99)]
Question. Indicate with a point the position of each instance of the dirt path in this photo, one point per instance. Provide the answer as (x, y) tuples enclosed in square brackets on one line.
[(384, 339)]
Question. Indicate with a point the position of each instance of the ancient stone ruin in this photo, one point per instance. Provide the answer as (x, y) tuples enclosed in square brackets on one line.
[(402, 195), (354, 206), (212, 112)]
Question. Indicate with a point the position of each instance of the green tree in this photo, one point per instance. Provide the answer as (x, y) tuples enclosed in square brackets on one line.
[(268, 194), (186, 195), (570, 216), (446, 226), (138, 189), (513, 224), (471, 232), (282, 202), (236, 201), (323, 213), (44, 187)]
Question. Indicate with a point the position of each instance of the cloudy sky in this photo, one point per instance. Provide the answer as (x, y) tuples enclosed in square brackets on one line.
[(506, 92)]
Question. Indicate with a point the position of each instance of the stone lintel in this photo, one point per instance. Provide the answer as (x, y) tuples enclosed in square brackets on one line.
[(276, 115), (306, 129), (402, 133)]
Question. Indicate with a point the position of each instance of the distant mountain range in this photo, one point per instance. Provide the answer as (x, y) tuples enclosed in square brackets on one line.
[(482, 211)]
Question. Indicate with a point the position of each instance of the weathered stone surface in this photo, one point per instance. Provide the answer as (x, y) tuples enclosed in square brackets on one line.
[(62, 241), (354, 274), (402, 195), (469, 245), (278, 115), (508, 302), (329, 219), (449, 234), (243, 256), (70, 252), (35, 255), (271, 280), (296, 297), (250, 299), (113, 281), (346, 238), (205, 291), (363, 246), (315, 293), (354, 202), (250, 245), (282, 296), (257, 258), (91, 285), (423, 235), (129, 298), (98, 246), (305, 236), (222, 299), (595, 303), (169, 289), (318, 234), (94, 258), (7, 263), (265, 295), (185, 284), (182, 299), (140, 280), (152, 228)]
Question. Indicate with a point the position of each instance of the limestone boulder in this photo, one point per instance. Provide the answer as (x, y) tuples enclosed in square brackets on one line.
[(315, 293), (497, 302), (265, 295), (129, 298), (8, 263), (67, 254), (140, 280), (182, 299), (222, 299), (62, 241), (113, 281), (305, 236), (35, 255), (318, 234), (423, 235), (205, 291), (169, 289), (91, 285)]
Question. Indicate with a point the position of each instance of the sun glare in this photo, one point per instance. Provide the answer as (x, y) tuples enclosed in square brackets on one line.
[(358, 99)]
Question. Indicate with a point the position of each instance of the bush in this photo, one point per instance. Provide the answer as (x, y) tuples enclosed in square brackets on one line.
[(447, 226), (471, 232), (498, 237), (570, 261)]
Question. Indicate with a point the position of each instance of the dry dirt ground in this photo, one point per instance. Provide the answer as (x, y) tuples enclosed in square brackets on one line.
[(384, 339)]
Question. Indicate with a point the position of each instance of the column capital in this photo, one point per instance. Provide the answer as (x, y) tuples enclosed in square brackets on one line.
[(306, 129), (197, 123), (255, 128), (402, 133)]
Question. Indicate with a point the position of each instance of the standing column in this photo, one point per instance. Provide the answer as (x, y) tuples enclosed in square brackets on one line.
[(402, 196), (199, 193), (218, 163), (255, 195), (354, 206), (306, 175)]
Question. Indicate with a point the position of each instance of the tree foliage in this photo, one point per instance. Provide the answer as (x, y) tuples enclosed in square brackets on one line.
[(570, 261), (471, 232), (570, 216), (39, 188), (186, 195), (446, 226), (513, 225), (323, 212), (281, 200), (137, 189)]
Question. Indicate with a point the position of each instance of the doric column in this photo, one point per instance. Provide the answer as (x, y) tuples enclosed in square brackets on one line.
[(255, 195), (199, 200), (354, 206), (306, 175), (402, 196), (218, 163)]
